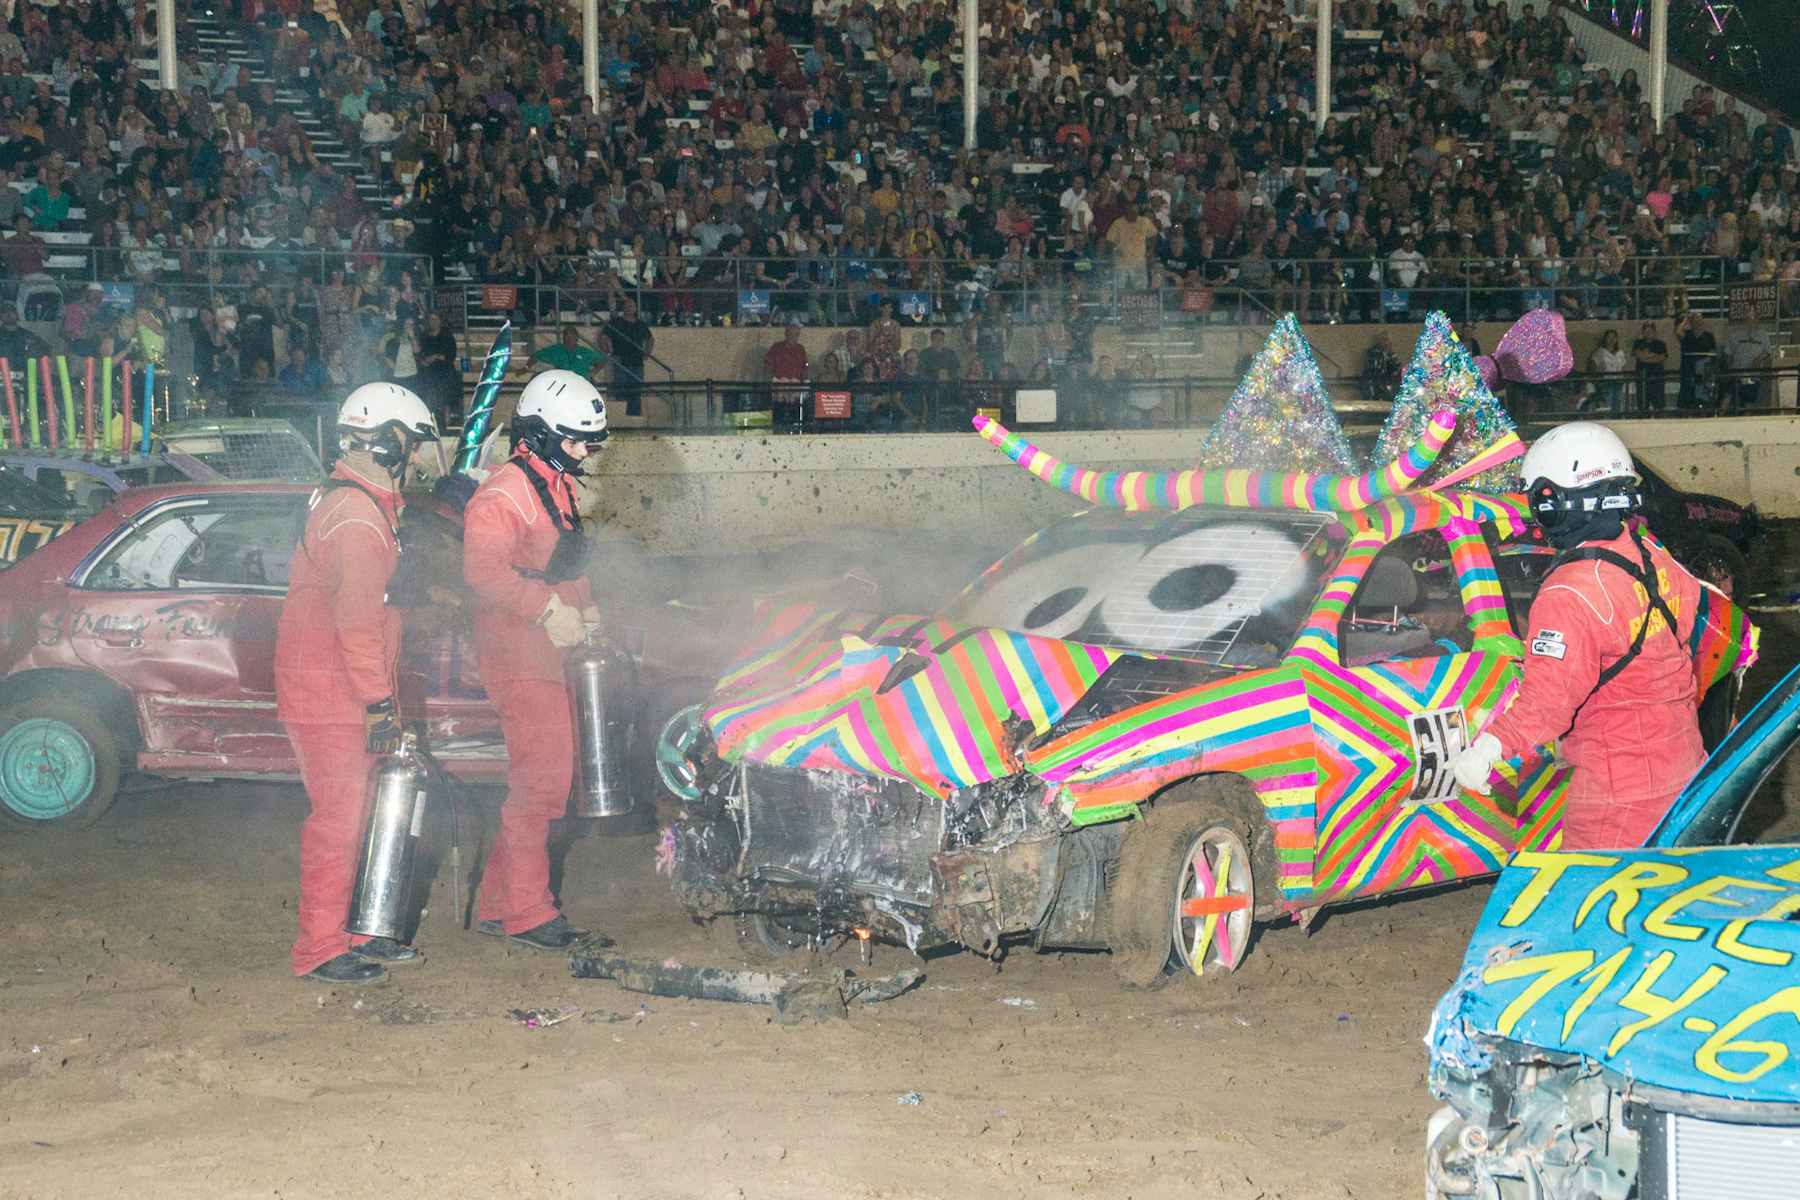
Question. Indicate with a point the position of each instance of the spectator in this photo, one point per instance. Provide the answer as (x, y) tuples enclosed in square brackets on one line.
[(786, 361), (17, 343), (440, 382), (1651, 354), (1608, 359), (1746, 349), (301, 376), (570, 353), (23, 250), (938, 360), (632, 342), (1699, 353), (1130, 236)]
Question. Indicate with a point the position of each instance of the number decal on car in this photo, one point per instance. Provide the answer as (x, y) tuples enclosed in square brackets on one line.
[(1437, 737)]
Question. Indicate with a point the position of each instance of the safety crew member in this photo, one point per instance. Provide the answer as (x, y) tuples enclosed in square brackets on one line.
[(336, 652), (524, 558), (1607, 667)]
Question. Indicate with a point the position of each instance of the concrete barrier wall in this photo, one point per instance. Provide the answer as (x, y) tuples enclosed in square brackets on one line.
[(684, 495), (1747, 459)]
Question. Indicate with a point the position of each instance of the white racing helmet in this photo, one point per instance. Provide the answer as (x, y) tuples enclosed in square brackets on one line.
[(557, 405), (1580, 482), (391, 420)]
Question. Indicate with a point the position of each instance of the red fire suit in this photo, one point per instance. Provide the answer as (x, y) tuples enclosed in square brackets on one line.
[(336, 652), (1635, 742), (505, 528)]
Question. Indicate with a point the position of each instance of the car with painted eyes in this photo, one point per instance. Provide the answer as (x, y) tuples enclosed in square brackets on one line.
[(1625, 1024), (1140, 731)]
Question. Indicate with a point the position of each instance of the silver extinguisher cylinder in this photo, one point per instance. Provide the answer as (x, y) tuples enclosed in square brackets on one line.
[(601, 681), (379, 902)]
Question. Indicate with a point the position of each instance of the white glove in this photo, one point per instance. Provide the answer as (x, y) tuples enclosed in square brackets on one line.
[(1475, 764), (563, 623)]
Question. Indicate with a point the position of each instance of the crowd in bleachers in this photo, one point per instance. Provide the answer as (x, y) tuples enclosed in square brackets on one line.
[(803, 160)]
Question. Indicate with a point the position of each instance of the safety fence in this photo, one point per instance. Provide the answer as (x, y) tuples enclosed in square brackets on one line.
[(915, 406), (740, 290), (74, 260)]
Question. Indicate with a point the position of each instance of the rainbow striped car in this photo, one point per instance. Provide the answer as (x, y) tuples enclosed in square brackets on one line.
[(1143, 731)]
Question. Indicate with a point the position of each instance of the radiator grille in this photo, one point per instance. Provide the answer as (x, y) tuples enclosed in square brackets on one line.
[(1712, 1160), (820, 827)]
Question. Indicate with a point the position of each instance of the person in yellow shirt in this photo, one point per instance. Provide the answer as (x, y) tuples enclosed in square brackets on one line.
[(885, 198), (1129, 238)]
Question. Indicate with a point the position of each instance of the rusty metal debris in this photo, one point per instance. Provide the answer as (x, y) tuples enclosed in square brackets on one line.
[(818, 993)]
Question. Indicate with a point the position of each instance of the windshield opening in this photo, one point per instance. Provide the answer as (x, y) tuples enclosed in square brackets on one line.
[(1202, 583)]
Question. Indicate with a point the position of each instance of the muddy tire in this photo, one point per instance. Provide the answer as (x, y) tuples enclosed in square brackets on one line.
[(61, 759), (1186, 893), (756, 938)]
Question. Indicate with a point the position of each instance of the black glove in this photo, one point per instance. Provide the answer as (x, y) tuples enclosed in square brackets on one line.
[(381, 728)]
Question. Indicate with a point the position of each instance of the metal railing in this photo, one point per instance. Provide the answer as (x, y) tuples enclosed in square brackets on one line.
[(742, 290), (1080, 402), (193, 266)]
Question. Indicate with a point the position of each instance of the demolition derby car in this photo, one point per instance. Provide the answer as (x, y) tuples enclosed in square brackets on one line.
[(1139, 731), (1627, 1023), (144, 638)]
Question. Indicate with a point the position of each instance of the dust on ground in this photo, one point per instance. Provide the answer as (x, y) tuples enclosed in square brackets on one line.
[(152, 1044)]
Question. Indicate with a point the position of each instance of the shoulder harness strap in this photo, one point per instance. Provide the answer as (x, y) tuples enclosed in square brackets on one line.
[(1645, 574)]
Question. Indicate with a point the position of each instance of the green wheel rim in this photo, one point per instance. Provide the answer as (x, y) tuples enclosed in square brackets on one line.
[(674, 742), (47, 769)]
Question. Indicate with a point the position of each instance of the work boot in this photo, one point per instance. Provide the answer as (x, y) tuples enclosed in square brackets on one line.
[(554, 935), (386, 950), (349, 970)]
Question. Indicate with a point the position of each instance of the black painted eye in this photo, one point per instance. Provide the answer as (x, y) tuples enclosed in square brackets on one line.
[(1053, 607), (1191, 587)]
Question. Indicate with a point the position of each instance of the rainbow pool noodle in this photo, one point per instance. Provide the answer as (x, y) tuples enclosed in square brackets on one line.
[(1136, 491)]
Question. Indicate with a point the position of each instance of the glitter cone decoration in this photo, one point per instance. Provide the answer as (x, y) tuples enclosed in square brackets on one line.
[(1280, 417), (1442, 375)]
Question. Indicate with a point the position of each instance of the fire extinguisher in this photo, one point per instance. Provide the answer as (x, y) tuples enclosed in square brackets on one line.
[(397, 797), (602, 680)]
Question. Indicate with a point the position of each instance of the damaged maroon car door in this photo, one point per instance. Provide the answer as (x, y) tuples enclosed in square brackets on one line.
[(183, 606)]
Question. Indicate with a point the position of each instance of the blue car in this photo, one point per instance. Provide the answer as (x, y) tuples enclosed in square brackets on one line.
[(1626, 1024)]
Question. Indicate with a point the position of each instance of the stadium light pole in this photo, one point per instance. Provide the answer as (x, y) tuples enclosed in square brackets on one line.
[(1322, 66), (590, 50), (165, 45), (1659, 57), (971, 48)]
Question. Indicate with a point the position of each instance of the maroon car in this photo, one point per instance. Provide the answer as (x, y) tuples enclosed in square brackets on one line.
[(145, 637)]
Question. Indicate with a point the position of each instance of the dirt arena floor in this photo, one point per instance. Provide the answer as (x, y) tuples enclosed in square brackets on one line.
[(152, 1044)]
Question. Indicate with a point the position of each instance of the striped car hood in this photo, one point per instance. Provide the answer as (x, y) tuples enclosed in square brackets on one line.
[(937, 704)]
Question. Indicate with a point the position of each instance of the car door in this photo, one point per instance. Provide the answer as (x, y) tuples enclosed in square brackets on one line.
[(181, 609), (1424, 655)]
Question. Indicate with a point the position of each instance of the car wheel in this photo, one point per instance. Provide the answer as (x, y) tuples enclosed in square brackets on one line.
[(759, 938), (1185, 896), (60, 764), (661, 776)]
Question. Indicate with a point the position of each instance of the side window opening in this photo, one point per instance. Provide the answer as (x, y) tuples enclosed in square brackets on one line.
[(1407, 605), (205, 547)]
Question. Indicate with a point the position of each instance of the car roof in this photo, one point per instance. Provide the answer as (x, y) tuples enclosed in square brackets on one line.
[(136, 500)]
